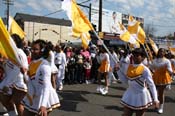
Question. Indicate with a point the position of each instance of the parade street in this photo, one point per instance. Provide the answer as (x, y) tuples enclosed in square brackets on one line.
[(83, 100)]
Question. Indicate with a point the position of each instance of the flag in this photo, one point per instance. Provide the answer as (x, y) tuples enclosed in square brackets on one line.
[(153, 45), (127, 37), (136, 30), (80, 23), (8, 47), (172, 49), (14, 28), (85, 38)]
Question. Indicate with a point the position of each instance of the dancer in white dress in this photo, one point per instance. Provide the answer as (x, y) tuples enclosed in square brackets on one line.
[(42, 97), (137, 98), (13, 86)]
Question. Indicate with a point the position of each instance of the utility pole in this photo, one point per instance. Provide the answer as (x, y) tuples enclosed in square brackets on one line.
[(100, 16), (8, 3), (89, 7)]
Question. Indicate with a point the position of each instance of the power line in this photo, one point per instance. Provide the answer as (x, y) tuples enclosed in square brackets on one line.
[(53, 12), (62, 10), (85, 1)]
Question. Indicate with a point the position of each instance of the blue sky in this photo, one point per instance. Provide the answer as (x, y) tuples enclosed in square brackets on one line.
[(157, 13)]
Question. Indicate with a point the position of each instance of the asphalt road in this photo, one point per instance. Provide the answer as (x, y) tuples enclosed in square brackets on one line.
[(83, 100)]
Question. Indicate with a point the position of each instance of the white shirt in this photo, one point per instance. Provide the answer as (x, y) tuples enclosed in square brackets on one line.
[(13, 76), (60, 58), (112, 62)]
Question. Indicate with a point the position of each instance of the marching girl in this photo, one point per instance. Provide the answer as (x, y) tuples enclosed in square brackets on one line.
[(13, 86), (51, 59), (60, 62), (162, 71), (103, 70), (42, 97), (137, 98)]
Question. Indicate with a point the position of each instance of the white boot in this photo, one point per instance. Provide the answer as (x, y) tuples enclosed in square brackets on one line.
[(6, 114), (99, 87), (104, 91), (160, 110)]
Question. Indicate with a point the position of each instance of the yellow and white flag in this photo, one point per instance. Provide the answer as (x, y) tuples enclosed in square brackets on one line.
[(80, 24), (85, 38), (136, 30), (153, 45), (8, 47), (127, 37), (14, 28)]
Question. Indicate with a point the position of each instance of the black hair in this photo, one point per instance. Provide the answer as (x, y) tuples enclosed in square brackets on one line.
[(45, 49), (50, 45), (139, 51), (17, 40), (161, 50)]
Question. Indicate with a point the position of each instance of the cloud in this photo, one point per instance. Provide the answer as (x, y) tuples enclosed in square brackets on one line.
[(160, 12), (34, 5), (52, 6)]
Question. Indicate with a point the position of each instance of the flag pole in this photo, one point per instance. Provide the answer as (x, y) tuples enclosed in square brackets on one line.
[(144, 49), (95, 33)]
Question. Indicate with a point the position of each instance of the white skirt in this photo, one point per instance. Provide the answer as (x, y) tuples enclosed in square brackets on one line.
[(54, 69), (136, 100), (19, 83), (52, 103)]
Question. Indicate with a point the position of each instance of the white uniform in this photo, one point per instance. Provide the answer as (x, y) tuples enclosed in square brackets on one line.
[(124, 63), (13, 76), (51, 60), (60, 59), (113, 62), (137, 96), (41, 90)]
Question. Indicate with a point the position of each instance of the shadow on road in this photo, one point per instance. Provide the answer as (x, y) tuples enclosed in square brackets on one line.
[(115, 96), (114, 108), (118, 88), (71, 99), (169, 99)]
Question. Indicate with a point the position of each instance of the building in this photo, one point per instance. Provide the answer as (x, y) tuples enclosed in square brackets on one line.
[(40, 27)]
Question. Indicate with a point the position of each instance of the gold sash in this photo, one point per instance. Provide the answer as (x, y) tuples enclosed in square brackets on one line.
[(33, 67), (134, 71)]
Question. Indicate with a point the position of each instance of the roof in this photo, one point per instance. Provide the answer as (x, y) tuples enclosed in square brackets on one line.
[(41, 19)]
